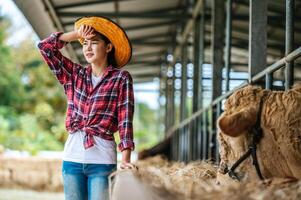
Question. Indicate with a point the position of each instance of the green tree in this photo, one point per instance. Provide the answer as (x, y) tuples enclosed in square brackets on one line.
[(146, 124)]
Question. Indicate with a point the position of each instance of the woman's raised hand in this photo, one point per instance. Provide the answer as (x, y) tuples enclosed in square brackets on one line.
[(86, 32)]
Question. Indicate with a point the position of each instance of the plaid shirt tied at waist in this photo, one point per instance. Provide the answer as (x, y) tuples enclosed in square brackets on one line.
[(99, 111)]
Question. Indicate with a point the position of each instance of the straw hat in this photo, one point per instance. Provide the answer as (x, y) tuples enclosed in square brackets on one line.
[(117, 36)]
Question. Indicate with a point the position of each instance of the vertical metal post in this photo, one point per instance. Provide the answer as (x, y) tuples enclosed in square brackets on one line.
[(205, 136), (166, 104), (289, 42), (183, 108), (172, 147), (172, 97), (257, 37), (202, 54), (190, 140), (198, 59), (187, 143), (200, 137), (178, 145), (218, 113), (182, 150), (195, 135), (199, 40), (196, 68), (217, 52), (168, 101), (228, 43), (269, 81), (218, 32)]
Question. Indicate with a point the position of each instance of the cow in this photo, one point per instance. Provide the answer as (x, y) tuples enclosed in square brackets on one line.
[(278, 149)]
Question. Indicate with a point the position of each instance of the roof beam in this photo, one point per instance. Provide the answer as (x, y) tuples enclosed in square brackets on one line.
[(148, 54), (138, 27), (146, 63), (85, 3), (143, 26), (155, 14), (151, 37)]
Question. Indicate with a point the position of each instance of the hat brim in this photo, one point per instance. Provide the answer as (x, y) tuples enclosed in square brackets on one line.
[(117, 36)]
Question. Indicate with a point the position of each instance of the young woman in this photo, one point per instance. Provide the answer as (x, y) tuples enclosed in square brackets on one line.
[(100, 102)]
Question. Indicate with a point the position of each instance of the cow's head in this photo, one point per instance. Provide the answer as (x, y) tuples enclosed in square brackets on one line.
[(241, 110), (240, 115)]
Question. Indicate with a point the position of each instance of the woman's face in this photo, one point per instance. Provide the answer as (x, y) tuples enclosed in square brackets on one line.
[(96, 50)]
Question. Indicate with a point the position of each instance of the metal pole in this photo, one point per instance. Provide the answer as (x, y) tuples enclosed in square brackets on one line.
[(269, 81), (200, 137), (172, 98), (218, 24), (196, 66), (166, 105), (257, 37), (197, 76), (228, 43), (199, 50), (200, 91), (218, 29), (216, 147), (205, 136), (183, 109), (289, 42)]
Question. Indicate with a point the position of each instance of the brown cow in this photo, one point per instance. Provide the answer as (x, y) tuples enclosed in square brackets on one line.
[(279, 150)]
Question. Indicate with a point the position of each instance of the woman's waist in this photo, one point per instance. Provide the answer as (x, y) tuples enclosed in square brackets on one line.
[(103, 128)]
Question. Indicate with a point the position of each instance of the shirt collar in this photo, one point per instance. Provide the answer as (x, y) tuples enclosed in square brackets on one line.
[(109, 69)]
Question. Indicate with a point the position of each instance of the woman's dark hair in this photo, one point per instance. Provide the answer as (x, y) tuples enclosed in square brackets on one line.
[(111, 54)]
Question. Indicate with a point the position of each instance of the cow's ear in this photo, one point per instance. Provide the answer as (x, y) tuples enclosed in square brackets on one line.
[(237, 123)]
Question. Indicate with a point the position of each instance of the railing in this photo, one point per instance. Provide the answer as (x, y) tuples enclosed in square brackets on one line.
[(195, 137)]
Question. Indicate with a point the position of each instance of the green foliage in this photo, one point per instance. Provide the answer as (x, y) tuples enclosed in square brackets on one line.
[(32, 104), (146, 124)]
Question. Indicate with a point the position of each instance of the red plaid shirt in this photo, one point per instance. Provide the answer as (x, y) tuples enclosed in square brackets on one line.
[(100, 111)]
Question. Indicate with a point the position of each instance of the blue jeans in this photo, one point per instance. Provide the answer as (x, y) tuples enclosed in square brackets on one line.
[(86, 181)]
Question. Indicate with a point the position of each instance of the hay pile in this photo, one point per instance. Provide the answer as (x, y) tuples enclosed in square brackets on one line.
[(196, 180), (41, 174)]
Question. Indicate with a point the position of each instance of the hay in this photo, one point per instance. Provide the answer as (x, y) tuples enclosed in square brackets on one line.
[(196, 180)]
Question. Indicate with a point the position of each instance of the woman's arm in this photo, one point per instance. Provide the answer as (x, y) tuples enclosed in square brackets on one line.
[(61, 66), (125, 120), (126, 160)]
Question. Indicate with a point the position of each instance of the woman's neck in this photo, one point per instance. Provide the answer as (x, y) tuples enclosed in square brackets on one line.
[(99, 68)]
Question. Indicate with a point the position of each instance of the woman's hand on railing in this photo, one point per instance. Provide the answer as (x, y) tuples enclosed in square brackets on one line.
[(128, 165)]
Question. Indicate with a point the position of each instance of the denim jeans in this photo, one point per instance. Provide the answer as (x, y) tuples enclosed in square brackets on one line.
[(86, 181)]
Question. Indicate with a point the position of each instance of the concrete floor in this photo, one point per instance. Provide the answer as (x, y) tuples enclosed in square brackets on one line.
[(17, 194)]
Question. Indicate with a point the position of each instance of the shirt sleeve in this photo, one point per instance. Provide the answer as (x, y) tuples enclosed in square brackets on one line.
[(126, 113), (60, 66)]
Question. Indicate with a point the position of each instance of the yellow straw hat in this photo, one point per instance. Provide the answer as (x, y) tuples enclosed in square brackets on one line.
[(116, 35)]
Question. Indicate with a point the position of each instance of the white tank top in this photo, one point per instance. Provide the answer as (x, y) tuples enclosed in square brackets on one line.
[(103, 151)]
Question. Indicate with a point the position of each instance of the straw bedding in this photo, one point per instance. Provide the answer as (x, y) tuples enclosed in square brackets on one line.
[(197, 180)]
